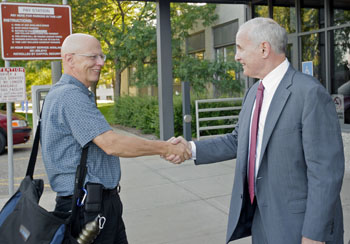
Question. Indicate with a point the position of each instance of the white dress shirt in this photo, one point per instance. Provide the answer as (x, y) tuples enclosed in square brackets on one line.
[(270, 82)]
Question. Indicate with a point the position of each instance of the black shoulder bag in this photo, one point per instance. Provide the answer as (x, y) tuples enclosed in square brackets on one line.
[(22, 220)]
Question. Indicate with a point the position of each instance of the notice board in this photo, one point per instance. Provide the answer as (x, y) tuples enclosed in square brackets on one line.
[(33, 31), (12, 84)]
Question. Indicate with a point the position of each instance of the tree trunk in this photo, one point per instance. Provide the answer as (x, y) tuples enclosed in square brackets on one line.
[(93, 88), (117, 84)]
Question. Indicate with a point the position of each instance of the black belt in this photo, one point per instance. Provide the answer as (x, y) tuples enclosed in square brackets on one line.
[(114, 191)]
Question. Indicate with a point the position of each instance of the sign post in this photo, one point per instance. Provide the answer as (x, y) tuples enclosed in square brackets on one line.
[(12, 89), (30, 32)]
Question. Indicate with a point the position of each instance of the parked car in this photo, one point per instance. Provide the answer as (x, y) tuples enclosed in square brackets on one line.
[(20, 130)]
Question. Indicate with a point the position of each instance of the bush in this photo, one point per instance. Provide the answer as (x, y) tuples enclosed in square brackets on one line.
[(3, 106), (142, 113), (138, 112)]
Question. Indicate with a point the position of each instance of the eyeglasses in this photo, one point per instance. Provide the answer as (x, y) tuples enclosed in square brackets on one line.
[(93, 57)]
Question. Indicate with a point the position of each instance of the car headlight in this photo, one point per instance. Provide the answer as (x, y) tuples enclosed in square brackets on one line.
[(19, 123)]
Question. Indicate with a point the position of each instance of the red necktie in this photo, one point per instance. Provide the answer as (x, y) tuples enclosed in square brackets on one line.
[(253, 137)]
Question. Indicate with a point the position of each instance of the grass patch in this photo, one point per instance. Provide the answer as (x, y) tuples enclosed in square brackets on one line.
[(108, 110), (29, 118)]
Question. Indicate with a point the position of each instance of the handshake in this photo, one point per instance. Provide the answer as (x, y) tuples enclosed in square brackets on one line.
[(179, 150)]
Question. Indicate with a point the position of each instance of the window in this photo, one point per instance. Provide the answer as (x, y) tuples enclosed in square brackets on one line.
[(312, 15), (286, 17), (284, 13), (313, 49), (340, 12), (340, 64), (225, 34), (199, 55), (226, 54), (195, 45)]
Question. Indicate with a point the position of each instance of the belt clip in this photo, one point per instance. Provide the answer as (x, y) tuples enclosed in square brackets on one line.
[(83, 200)]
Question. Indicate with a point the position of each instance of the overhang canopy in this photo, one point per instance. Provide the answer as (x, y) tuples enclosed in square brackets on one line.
[(203, 1)]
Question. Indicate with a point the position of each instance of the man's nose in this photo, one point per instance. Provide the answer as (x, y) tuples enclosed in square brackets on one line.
[(237, 58)]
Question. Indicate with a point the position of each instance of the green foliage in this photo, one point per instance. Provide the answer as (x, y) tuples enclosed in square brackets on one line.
[(138, 112), (4, 108), (201, 72), (128, 33), (127, 30), (142, 113), (107, 109)]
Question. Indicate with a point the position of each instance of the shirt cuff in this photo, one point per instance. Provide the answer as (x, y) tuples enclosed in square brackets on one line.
[(193, 150)]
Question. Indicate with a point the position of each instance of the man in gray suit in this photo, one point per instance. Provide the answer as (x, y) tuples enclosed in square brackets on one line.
[(297, 160)]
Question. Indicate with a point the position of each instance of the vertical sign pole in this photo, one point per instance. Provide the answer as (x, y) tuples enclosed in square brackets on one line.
[(165, 70), (186, 110), (9, 142)]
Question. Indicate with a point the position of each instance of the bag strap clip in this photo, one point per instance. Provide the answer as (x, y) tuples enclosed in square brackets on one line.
[(84, 198)]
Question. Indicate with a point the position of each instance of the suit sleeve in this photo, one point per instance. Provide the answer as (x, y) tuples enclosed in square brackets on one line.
[(324, 156), (217, 149)]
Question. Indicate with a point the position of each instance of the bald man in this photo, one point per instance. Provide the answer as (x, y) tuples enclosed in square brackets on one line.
[(71, 120)]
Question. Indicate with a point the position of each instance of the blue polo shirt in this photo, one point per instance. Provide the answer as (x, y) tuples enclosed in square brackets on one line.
[(70, 120)]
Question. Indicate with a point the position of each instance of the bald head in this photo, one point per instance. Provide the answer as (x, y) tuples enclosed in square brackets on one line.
[(75, 43), (82, 58)]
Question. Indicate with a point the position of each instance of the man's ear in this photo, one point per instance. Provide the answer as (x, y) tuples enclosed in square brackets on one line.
[(265, 49), (68, 58)]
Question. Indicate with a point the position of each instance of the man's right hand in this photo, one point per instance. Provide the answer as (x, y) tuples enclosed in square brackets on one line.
[(179, 141)]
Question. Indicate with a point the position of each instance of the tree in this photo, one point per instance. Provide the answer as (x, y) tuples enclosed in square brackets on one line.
[(128, 33)]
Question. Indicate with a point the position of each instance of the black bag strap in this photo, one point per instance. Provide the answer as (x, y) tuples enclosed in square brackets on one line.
[(80, 173), (34, 153)]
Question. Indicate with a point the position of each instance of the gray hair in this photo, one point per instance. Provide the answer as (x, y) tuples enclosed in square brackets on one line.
[(266, 30)]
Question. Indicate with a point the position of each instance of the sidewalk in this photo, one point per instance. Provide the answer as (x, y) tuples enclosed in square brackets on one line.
[(181, 204)]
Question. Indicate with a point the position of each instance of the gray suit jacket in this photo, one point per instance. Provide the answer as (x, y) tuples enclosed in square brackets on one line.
[(302, 165)]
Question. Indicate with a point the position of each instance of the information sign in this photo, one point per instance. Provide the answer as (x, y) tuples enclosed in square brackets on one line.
[(307, 68), (12, 84), (33, 31)]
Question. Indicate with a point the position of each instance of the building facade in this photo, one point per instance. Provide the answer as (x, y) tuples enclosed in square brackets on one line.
[(318, 40)]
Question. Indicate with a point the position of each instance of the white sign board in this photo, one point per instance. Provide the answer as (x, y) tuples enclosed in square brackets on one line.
[(338, 100), (12, 84)]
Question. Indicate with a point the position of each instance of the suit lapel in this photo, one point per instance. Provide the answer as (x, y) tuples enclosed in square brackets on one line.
[(244, 127), (276, 107)]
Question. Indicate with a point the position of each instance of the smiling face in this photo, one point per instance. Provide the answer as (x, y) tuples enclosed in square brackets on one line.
[(249, 55), (81, 56)]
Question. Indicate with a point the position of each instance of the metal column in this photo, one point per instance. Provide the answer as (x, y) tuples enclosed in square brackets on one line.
[(186, 110), (165, 77), (56, 71)]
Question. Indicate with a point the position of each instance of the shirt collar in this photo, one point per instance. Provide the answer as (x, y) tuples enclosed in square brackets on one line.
[(275, 76), (68, 79)]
